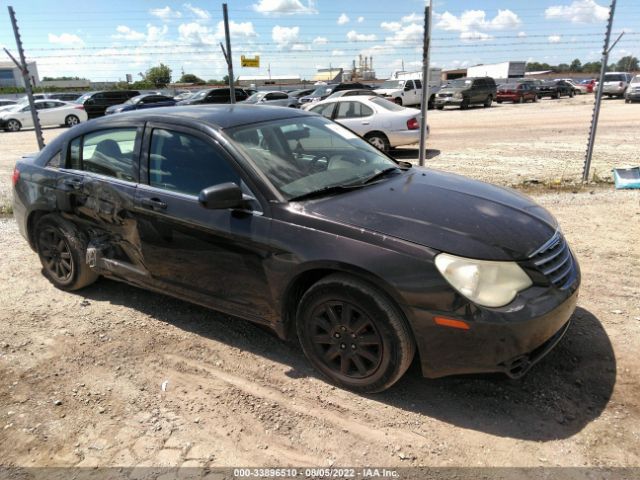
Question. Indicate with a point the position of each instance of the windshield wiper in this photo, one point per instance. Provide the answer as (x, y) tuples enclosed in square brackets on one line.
[(378, 175), (325, 191)]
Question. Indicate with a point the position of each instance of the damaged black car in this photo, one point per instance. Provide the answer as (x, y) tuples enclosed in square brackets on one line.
[(287, 219)]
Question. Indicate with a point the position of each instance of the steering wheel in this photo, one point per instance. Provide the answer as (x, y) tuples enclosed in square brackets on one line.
[(314, 161)]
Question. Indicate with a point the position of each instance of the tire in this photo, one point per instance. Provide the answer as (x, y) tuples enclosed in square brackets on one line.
[(353, 334), (487, 103), (557, 96), (626, 100), (498, 101), (378, 140), (465, 104), (398, 101), (13, 125), (440, 107), (71, 121), (521, 100), (571, 93), (431, 102), (58, 240)]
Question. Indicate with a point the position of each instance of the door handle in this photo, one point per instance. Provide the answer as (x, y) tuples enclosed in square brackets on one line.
[(365, 123), (153, 203), (72, 183)]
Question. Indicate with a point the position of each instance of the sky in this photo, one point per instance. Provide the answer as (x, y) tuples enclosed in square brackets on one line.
[(104, 41)]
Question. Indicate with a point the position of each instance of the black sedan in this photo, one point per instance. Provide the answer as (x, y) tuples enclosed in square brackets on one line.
[(151, 100), (214, 95), (555, 89), (287, 219)]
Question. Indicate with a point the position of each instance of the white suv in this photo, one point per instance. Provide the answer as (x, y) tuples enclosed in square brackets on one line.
[(615, 84)]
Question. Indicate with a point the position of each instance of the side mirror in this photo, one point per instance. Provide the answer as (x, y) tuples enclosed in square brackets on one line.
[(222, 196)]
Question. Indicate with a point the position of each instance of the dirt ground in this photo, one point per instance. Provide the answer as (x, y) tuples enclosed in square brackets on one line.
[(81, 374)]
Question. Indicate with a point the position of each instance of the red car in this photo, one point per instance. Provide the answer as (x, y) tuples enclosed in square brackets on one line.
[(516, 93), (590, 83)]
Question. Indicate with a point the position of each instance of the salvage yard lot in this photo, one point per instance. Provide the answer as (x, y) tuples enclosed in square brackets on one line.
[(82, 372)]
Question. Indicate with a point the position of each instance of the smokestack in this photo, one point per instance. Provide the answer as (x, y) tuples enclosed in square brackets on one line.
[(360, 61), (371, 62), (365, 64)]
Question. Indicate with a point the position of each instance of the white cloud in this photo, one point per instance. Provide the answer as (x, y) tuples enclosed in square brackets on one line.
[(360, 19), (337, 53), (320, 41), (196, 34), (342, 19), (237, 30), (474, 35), (554, 38), (126, 33), (414, 17), (391, 26), (165, 13), (156, 34), (354, 36), (477, 20), (198, 12), (284, 7), (408, 34), (580, 11), (522, 34), (285, 37), (66, 39)]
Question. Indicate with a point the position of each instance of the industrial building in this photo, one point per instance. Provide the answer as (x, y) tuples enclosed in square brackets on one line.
[(261, 80), (11, 76)]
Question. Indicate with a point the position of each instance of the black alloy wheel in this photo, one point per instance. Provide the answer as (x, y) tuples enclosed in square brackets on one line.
[(354, 334), (56, 254), (345, 339)]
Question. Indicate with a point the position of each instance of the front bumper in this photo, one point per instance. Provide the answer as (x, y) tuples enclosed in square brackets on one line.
[(447, 101), (507, 97), (510, 339)]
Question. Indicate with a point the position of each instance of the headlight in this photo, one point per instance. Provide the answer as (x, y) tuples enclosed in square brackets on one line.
[(487, 283), (457, 95)]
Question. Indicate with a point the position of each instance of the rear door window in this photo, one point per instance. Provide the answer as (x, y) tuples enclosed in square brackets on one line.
[(186, 164), (105, 152), (353, 110)]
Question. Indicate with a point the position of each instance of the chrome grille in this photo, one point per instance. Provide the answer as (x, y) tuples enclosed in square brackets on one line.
[(554, 260)]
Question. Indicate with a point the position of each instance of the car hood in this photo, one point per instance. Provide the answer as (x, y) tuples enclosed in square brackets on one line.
[(445, 212)]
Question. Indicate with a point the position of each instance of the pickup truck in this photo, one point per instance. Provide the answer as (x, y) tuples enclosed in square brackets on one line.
[(405, 92)]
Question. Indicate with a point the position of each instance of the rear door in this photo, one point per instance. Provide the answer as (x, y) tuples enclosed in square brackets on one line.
[(354, 115), (213, 257)]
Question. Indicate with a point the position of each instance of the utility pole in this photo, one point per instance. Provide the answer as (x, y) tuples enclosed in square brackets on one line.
[(425, 83), (596, 107), (22, 65), (227, 54)]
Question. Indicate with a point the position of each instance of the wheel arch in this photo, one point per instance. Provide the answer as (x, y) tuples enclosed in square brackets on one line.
[(312, 273), (32, 220)]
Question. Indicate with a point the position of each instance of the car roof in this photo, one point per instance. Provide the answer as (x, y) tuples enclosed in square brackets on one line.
[(219, 116)]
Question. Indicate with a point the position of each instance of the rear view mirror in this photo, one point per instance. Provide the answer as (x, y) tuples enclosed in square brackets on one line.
[(297, 134), (222, 196)]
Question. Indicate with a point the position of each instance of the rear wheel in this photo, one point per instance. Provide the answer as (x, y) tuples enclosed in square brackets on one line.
[(13, 125), (378, 140), (71, 120), (354, 334), (535, 99), (571, 93), (62, 250), (440, 107), (488, 102)]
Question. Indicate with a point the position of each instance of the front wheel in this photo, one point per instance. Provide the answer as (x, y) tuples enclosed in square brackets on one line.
[(378, 140), (465, 104), (62, 251), (398, 101), (488, 101), (535, 99), (440, 107), (354, 334), (13, 125), (571, 94), (71, 121)]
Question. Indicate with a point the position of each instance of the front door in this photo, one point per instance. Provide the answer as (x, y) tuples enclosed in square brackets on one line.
[(213, 257)]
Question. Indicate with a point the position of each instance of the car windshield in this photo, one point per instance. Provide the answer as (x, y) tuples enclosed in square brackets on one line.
[(134, 100), (199, 95), (321, 91), (392, 84), (460, 83), (255, 98), (387, 105), (302, 156)]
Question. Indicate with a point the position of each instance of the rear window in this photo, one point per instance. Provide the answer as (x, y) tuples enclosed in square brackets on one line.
[(614, 77), (105, 152), (386, 104)]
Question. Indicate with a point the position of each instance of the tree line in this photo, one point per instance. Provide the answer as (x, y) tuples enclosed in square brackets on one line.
[(625, 64)]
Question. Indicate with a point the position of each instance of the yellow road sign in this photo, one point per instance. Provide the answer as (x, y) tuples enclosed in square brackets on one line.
[(250, 62)]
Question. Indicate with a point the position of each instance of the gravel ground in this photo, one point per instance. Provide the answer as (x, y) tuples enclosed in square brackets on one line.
[(82, 372)]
